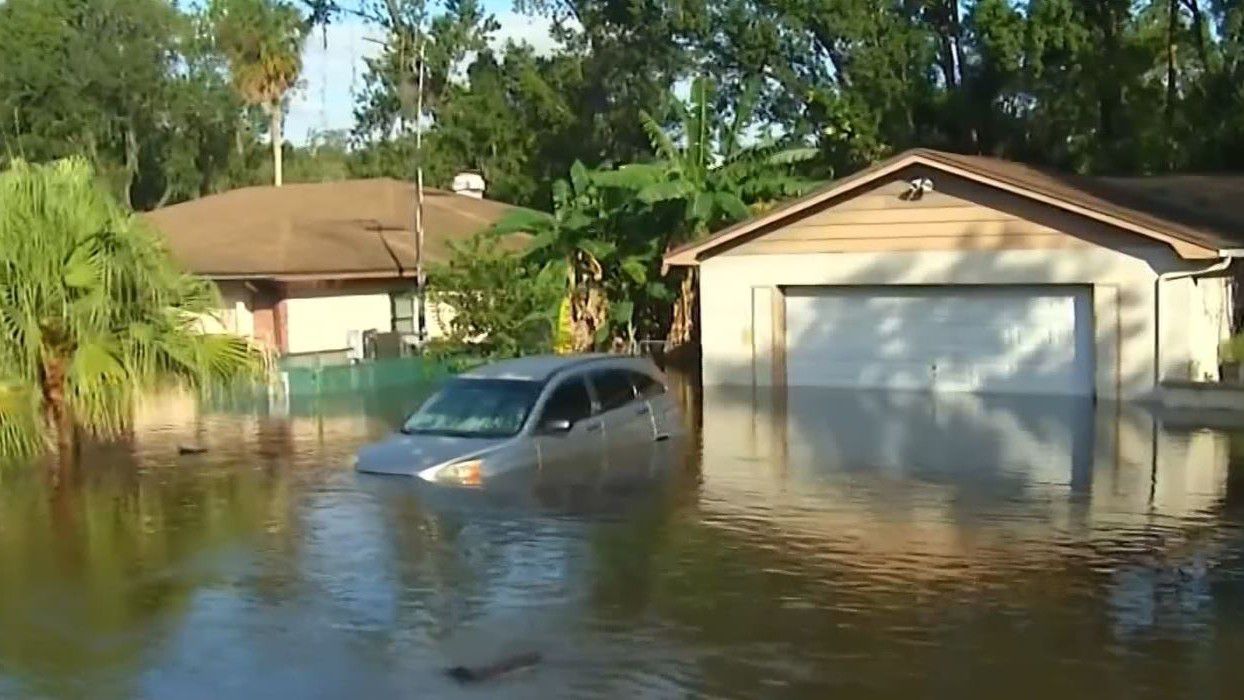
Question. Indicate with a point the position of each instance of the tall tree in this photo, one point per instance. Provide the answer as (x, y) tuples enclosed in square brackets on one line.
[(263, 41), (125, 83), (523, 115), (92, 312)]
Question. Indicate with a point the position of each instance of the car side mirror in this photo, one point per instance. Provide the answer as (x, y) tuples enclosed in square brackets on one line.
[(556, 425)]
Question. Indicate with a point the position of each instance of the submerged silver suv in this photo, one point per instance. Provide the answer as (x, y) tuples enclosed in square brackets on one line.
[(562, 418)]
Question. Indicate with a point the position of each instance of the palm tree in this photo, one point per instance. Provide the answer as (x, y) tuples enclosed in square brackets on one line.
[(92, 313), (714, 178), (262, 40)]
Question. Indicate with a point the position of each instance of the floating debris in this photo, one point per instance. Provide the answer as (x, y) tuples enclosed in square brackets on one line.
[(472, 674)]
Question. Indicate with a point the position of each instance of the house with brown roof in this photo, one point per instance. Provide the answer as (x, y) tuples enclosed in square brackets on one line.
[(307, 269), (944, 272)]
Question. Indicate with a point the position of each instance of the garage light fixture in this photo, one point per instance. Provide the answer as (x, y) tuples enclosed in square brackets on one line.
[(917, 187)]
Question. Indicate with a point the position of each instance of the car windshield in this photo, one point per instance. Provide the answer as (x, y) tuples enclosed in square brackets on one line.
[(475, 408)]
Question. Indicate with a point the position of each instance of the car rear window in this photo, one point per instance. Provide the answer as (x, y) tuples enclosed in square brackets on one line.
[(646, 386), (613, 388)]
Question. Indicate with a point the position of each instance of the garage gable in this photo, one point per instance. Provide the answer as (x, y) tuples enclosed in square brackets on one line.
[(926, 200), (955, 214)]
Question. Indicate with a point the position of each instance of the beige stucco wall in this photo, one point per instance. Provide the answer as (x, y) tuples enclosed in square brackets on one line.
[(236, 312), (322, 321), (1196, 318), (737, 322), (319, 316)]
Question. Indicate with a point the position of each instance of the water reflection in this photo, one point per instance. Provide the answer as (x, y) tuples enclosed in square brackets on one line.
[(817, 543)]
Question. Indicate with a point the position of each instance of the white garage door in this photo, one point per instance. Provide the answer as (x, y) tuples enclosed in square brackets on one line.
[(998, 339)]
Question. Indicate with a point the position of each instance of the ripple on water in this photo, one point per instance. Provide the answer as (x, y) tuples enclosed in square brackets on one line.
[(842, 548)]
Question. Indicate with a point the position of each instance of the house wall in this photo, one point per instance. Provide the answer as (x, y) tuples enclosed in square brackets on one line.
[(313, 316), (963, 234), (236, 312), (319, 319)]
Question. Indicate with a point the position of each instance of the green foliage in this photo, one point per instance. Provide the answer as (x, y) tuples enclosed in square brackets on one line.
[(128, 84), (521, 116), (610, 227), (496, 302), (92, 311), (705, 172), (1232, 349), (262, 41), (1108, 87)]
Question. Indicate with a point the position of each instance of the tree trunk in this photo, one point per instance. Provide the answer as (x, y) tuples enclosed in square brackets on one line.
[(1171, 75), (166, 195), (1198, 28), (131, 164), (590, 311), (682, 326), (58, 416), (274, 132)]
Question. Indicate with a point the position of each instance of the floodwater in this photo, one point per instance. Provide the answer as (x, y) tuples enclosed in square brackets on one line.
[(811, 545)]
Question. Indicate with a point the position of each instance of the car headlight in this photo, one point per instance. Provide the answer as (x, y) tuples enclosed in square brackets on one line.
[(467, 473)]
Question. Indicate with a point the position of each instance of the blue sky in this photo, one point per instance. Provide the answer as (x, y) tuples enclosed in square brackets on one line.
[(333, 67)]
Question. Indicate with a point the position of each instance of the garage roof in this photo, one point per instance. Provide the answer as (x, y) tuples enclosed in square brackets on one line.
[(345, 229), (1198, 215)]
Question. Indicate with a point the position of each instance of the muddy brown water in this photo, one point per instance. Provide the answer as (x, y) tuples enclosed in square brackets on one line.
[(811, 545)]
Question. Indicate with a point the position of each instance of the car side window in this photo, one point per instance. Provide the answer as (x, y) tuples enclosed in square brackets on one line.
[(569, 401), (613, 388), (646, 386)]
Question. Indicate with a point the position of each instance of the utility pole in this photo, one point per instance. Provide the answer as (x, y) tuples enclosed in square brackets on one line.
[(421, 329)]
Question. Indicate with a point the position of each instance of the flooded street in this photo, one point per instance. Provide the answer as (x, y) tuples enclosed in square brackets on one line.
[(812, 545)]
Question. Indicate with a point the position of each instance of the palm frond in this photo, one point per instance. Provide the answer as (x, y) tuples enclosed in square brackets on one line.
[(662, 144), (744, 112), (699, 131), (522, 221), (635, 176), (21, 425), (666, 191), (791, 156), (579, 179), (88, 293)]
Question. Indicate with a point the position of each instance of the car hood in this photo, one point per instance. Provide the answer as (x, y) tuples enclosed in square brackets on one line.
[(410, 454)]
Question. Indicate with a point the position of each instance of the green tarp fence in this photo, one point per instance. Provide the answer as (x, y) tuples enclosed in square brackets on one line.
[(371, 375)]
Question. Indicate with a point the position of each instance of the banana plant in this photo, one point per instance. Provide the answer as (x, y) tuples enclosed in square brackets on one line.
[(714, 179), (712, 174), (581, 234)]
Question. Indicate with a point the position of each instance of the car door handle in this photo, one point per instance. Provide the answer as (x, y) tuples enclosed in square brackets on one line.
[(594, 427), (642, 411)]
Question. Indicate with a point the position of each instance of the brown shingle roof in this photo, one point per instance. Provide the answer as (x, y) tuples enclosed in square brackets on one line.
[(349, 228), (1203, 211)]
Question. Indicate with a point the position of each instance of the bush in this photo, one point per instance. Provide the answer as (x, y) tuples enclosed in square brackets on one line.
[(502, 304)]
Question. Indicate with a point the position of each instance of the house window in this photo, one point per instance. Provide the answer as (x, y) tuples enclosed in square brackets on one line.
[(403, 304)]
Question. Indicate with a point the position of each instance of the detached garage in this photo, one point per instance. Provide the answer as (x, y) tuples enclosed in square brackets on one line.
[(942, 272)]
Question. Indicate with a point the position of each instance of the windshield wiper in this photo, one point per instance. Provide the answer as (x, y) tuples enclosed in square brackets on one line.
[(443, 432)]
